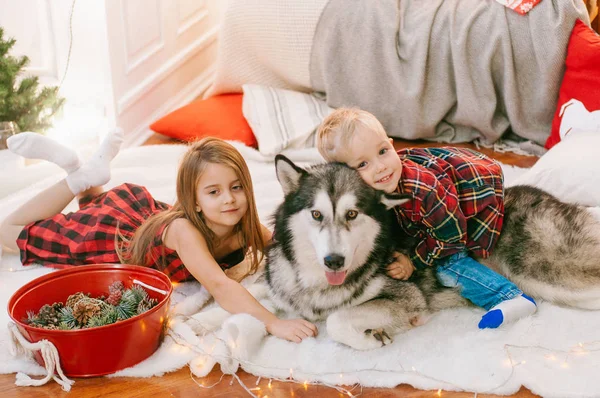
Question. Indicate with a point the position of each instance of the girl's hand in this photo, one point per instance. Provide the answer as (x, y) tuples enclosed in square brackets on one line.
[(294, 330), (401, 268)]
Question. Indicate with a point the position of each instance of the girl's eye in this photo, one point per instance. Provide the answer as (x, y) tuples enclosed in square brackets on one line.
[(361, 165), (383, 151), (237, 188), (316, 215), (351, 214), (213, 192)]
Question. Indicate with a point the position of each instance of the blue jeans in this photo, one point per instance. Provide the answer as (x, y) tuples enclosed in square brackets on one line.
[(477, 283)]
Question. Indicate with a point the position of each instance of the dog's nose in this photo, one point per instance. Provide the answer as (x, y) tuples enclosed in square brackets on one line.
[(334, 261)]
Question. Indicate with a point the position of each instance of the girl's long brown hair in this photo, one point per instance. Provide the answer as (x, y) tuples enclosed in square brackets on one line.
[(208, 150)]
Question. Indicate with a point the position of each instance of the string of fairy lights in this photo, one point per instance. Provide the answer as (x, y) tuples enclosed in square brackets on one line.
[(356, 389), (553, 355)]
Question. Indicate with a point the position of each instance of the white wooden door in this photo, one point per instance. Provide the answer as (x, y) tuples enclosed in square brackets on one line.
[(162, 55), (130, 61)]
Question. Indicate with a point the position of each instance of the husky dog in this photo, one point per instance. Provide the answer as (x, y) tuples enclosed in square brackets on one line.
[(332, 242)]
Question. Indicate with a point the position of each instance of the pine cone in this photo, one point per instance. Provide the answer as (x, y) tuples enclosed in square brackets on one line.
[(49, 314), (115, 297), (74, 298), (143, 306), (84, 310), (116, 286)]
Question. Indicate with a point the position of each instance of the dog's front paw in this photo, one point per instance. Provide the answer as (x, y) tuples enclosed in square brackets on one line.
[(366, 341), (355, 336), (379, 335), (420, 320)]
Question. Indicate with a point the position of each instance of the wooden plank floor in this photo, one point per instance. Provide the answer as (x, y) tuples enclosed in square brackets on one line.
[(180, 384)]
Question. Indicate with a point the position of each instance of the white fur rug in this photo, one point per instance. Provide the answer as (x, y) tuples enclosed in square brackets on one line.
[(553, 353)]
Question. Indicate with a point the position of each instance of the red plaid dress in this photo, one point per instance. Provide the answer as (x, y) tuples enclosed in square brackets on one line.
[(458, 202), (87, 236)]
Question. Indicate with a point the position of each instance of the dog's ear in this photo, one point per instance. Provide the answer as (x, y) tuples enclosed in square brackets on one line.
[(391, 200), (288, 174)]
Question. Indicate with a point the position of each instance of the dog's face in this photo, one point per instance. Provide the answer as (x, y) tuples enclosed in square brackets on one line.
[(331, 218)]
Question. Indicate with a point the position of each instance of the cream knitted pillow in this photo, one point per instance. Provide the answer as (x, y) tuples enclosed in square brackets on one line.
[(266, 42)]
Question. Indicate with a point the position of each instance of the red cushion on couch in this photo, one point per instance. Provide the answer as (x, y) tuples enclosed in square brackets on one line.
[(582, 75), (219, 116)]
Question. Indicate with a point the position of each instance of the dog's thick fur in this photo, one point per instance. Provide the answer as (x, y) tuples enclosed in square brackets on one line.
[(548, 248), (331, 221)]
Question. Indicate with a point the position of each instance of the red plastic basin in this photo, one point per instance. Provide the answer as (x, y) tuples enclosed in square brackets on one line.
[(102, 350)]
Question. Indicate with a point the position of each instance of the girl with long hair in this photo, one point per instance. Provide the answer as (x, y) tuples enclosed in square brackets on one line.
[(212, 226)]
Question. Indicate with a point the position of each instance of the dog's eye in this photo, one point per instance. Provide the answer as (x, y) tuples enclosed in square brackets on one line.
[(351, 214), (316, 215)]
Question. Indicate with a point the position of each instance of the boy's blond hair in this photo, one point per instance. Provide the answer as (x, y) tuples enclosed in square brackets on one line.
[(337, 130)]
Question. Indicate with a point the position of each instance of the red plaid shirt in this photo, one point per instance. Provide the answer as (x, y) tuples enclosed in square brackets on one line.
[(458, 202)]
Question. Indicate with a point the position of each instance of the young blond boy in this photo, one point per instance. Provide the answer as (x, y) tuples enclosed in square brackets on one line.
[(457, 208)]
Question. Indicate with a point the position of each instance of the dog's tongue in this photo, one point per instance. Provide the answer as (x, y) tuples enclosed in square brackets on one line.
[(335, 278)]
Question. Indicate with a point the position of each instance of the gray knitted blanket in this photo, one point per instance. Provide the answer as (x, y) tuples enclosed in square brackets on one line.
[(463, 69)]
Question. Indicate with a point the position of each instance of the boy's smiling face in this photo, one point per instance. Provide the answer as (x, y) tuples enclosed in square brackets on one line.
[(372, 154)]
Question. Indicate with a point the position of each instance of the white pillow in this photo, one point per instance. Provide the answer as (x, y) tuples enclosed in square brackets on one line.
[(282, 119), (570, 170), (576, 117)]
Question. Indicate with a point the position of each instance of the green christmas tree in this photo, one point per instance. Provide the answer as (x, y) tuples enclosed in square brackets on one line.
[(22, 102)]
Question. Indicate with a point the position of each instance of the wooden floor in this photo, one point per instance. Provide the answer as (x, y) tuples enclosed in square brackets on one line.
[(180, 384)]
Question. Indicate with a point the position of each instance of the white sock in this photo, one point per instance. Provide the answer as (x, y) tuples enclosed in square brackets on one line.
[(96, 172), (36, 146), (508, 311)]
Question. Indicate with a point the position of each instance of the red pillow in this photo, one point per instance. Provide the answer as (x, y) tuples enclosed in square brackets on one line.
[(582, 75), (219, 116)]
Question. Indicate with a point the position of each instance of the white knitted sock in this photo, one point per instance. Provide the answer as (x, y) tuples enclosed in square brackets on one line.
[(96, 172), (36, 146), (508, 311)]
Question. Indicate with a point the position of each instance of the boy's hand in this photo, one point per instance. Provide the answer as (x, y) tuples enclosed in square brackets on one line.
[(401, 268)]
